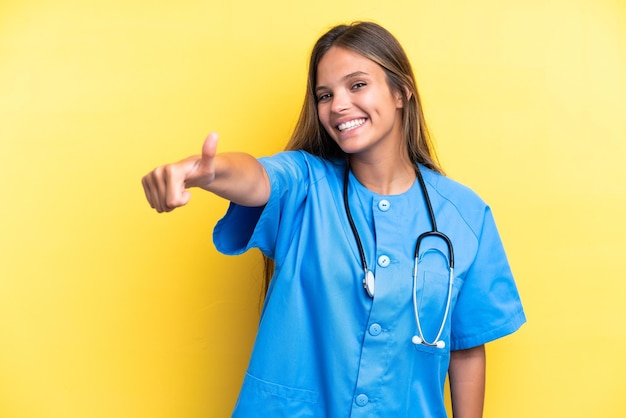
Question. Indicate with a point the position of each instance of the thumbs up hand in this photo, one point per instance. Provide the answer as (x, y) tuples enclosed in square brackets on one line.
[(166, 186)]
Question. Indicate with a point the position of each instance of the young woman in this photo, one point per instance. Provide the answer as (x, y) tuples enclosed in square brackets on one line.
[(388, 275)]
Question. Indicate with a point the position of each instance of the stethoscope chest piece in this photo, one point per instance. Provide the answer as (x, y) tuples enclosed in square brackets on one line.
[(368, 283)]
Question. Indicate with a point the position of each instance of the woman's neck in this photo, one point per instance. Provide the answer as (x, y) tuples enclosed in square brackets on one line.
[(389, 176)]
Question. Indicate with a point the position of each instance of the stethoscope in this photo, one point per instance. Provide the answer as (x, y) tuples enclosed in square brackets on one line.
[(369, 279)]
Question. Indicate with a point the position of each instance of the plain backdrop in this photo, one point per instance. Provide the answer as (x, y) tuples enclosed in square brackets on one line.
[(109, 310)]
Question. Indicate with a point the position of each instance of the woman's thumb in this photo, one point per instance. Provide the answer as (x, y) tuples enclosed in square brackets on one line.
[(209, 148)]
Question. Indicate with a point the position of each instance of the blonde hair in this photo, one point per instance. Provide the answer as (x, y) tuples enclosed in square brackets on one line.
[(377, 44)]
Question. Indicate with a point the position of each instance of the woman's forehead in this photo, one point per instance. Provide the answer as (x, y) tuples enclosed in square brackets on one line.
[(340, 63)]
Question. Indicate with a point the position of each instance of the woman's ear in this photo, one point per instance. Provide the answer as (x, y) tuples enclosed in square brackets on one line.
[(407, 93), (402, 96)]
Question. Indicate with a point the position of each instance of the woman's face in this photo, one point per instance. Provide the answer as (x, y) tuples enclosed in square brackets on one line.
[(356, 105)]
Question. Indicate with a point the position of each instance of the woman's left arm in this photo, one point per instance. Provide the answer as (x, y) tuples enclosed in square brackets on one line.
[(467, 382)]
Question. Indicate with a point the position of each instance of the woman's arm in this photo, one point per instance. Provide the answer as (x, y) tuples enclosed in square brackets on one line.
[(467, 382), (238, 177)]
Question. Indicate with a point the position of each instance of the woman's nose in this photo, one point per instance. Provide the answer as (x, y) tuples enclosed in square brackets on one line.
[(341, 102)]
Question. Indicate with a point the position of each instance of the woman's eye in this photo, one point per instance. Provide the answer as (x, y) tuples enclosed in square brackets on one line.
[(356, 86), (323, 97)]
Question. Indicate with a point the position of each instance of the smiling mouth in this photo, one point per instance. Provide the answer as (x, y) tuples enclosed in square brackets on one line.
[(346, 126)]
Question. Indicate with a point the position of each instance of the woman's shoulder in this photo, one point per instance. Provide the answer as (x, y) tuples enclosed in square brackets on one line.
[(302, 161), (301, 155), (447, 186), (464, 199)]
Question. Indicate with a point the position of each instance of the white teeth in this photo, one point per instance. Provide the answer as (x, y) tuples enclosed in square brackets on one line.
[(351, 124)]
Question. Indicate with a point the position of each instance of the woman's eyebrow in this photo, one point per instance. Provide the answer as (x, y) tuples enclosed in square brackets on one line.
[(345, 77)]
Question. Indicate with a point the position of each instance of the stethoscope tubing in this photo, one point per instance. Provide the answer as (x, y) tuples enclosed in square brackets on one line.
[(368, 278)]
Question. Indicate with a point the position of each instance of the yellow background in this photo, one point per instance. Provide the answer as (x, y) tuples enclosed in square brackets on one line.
[(108, 309)]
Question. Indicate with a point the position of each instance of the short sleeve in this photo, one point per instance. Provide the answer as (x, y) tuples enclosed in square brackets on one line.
[(489, 305), (264, 227)]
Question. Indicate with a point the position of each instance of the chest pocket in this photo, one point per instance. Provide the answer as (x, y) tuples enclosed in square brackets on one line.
[(431, 290)]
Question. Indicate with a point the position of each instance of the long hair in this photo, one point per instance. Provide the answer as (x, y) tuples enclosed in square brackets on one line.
[(377, 44)]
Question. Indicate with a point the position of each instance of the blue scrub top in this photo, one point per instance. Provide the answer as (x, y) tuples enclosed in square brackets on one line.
[(324, 348)]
